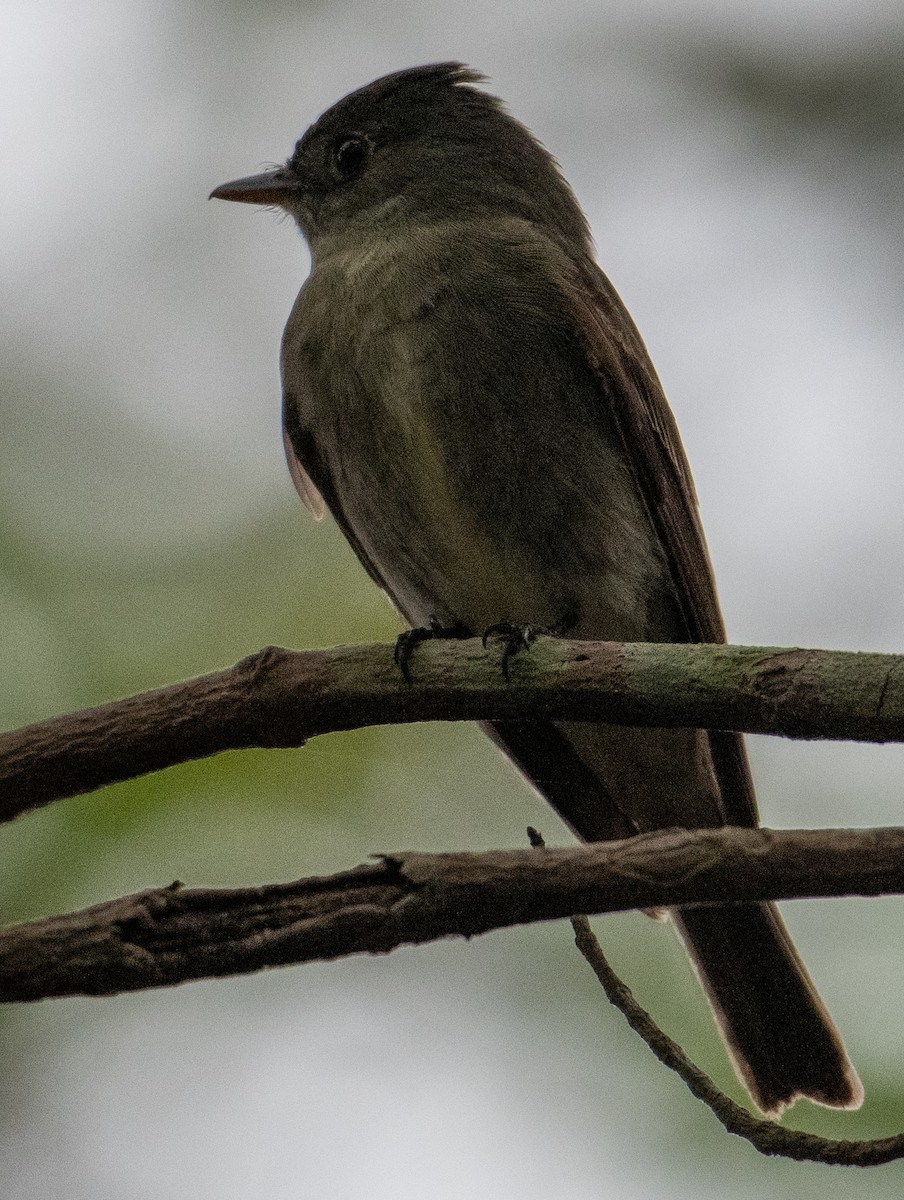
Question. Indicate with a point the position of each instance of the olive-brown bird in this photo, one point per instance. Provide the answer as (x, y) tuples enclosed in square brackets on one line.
[(468, 395)]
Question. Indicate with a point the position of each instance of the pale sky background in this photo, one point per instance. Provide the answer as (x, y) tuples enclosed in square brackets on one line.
[(140, 324)]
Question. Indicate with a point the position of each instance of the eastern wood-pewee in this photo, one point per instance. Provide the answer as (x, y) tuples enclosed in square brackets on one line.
[(465, 391)]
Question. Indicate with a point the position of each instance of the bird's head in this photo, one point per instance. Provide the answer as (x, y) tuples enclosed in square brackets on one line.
[(418, 146)]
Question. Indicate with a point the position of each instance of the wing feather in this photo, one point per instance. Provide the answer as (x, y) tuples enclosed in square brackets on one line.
[(639, 411), (304, 485), (315, 485)]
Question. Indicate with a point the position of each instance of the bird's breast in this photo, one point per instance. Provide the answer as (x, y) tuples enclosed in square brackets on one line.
[(458, 424)]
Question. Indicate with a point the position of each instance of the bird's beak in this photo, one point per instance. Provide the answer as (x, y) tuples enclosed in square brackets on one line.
[(272, 187)]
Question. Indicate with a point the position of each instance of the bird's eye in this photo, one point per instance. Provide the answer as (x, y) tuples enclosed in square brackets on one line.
[(350, 157)]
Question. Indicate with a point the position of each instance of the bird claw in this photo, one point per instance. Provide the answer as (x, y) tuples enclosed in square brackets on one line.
[(408, 641), (514, 638)]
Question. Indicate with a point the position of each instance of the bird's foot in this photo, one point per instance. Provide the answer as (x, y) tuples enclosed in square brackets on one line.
[(407, 642), (516, 638)]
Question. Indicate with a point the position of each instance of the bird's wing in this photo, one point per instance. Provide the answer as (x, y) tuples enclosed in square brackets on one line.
[(314, 483), (636, 404), (304, 484)]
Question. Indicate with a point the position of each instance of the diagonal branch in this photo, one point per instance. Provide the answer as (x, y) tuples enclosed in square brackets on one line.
[(171, 935), (281, 698)]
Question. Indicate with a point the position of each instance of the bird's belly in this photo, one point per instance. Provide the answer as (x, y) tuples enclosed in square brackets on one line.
[(436, 557), (500, 542), (465, 578)]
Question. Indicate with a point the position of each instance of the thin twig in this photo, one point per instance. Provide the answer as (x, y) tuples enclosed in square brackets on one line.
[(766, 1136)]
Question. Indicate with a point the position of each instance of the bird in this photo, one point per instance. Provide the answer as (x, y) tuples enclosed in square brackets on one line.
[(466, 393)]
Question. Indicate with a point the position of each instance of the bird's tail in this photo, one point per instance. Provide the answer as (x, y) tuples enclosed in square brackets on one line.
[(780, 1037)]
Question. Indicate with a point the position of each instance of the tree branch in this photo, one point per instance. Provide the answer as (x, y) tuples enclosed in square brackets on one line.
[(281, 698), (171, 935)]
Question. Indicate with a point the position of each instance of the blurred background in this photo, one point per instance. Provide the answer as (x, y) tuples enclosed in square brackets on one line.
[(741, 169)]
